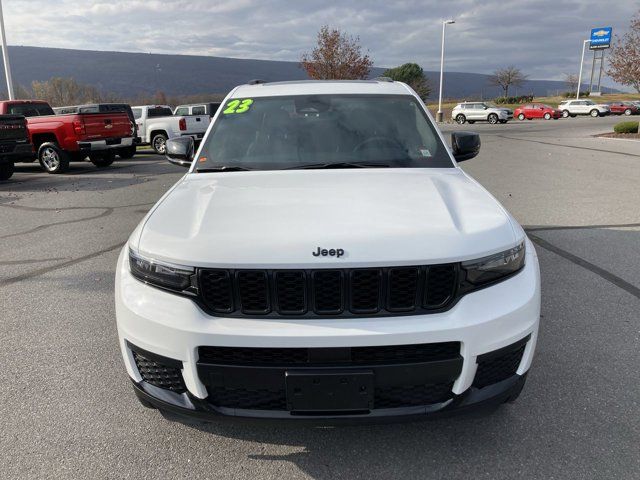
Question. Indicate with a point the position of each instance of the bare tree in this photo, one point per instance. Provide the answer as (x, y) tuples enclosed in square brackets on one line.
[(336, 56), (624, 59), (64, 91), (571, 81), (507, 77)]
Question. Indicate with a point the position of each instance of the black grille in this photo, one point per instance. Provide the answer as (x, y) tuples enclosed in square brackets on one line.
[(500, 365), (390, 355), (344, 292), (254, 399), (412, 395), (159, 374)]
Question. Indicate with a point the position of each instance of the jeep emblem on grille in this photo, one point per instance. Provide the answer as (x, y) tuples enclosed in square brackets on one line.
[(333, 252)]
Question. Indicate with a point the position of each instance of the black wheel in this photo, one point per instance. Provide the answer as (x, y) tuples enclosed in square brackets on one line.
[(565, 113), (594, 113), (460, 118), (492, 118), (52, 158), (6, 170), (127, 153), (521, 116), (103, 160), (159, 143), (547, 116)]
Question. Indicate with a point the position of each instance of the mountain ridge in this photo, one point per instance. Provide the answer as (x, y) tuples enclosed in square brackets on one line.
[(131, 74)]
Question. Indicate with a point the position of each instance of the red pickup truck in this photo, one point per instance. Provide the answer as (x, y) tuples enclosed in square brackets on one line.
[(60, 139)]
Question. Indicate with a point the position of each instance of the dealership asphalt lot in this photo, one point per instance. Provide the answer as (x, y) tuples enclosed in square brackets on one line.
[(67, 409)]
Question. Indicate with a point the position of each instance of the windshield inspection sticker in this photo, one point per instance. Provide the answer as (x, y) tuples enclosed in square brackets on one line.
[(425, 152), (238, 106)]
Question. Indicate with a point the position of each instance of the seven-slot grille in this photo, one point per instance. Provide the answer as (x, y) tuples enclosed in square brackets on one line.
[(329, 292)]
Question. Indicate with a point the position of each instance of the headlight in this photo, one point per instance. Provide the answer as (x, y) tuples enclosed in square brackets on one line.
[(492, 268), (160, 274)]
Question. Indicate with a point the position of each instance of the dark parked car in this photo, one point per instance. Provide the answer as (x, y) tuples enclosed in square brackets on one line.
[(624, 108), (14, 143)]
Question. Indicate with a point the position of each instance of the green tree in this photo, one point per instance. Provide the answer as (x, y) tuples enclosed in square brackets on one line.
[(413, 75)]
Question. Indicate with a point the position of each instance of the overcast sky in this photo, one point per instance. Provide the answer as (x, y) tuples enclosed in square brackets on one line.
[(542, 37)]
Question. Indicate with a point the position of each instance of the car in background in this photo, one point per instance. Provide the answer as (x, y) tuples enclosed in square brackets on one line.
[(14, 143), (480, 112), (157, 124), (209, 108), (125, 152), (573, 108), (624, 108), (536, 110), (60, 139)]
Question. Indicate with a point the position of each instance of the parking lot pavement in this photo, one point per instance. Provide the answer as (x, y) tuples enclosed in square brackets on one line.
[(67, 406)]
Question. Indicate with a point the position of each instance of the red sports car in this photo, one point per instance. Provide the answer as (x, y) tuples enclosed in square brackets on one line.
[(536, 110), (624, 108)]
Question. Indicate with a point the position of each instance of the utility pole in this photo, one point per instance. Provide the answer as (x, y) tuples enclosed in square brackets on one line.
[(5, 56)]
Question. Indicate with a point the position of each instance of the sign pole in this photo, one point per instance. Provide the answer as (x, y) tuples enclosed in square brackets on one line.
[(5, 56), (593, 69), (584, 44), (601, 69)]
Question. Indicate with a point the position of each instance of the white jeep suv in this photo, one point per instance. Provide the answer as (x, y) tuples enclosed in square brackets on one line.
[(325, 257), (481, 112), (572, 108)]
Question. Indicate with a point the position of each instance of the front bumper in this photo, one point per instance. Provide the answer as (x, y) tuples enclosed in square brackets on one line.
[(105, 144), (174, 327)]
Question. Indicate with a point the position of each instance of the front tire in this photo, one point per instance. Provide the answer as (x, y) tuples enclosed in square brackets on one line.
[(547, 116), (127, 153), (461, 119), (521, 116), (103, 160), (492, 118), (159, 143), (594, 113), (627, 112), (6, 170), (52, 158)]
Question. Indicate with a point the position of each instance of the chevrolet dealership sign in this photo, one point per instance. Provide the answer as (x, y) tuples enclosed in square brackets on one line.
[(600, 38)]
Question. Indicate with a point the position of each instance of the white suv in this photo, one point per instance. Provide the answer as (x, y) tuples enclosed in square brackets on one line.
[(325, 257), (481, 112), (572, 108)]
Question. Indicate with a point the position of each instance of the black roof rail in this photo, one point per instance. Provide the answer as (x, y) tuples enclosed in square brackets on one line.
[(255, 81), (384, 79)]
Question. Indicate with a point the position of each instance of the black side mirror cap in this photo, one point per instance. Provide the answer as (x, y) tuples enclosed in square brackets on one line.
[(465, 145), (180, 151)]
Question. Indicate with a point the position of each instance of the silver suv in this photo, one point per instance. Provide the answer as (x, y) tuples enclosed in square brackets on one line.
[(480, 112)]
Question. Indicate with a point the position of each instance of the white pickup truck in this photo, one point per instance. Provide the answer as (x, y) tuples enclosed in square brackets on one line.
[(157, 123)]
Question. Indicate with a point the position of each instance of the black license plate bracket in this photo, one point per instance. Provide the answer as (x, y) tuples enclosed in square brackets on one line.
[(329, 391)]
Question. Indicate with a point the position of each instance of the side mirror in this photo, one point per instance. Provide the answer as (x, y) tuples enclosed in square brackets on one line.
[(465, 145), (180, 151)]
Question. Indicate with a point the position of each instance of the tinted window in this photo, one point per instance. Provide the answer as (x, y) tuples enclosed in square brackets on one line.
[(31, 109), (289, 132), (199, 110), (159, 112)]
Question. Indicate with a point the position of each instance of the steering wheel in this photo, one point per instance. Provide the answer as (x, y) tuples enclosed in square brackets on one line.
[(393, 143)]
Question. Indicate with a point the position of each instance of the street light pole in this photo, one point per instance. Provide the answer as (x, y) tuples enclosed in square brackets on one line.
[(5, 56), (584, 44), (439, 114)]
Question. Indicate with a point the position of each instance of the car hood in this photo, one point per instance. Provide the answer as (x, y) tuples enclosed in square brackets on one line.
[(278, 218)]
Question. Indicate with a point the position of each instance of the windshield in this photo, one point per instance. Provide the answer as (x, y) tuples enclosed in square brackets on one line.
[(271, 133)]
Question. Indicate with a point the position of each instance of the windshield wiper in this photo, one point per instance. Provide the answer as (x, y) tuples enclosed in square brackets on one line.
[(318, 166), (223, 168)]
